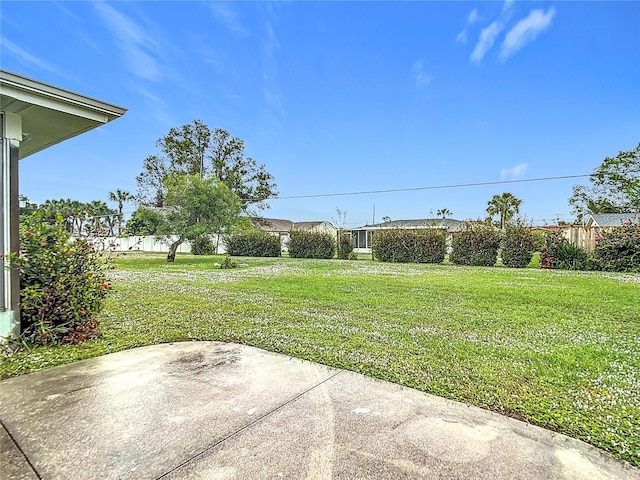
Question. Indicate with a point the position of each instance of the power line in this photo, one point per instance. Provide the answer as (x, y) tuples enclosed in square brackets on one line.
[(432, 187)]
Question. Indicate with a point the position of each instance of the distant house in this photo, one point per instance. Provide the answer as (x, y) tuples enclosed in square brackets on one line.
[(608, 220), (362, 236), (272, 225), (318, 227), (282, 228)]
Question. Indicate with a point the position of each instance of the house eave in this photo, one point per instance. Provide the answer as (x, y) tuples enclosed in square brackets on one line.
[(50, 114)]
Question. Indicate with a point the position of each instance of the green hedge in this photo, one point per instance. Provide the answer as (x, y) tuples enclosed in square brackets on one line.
[(345, 245), (202, 245), (518, 246), (254, 243), (425, 245), (618, 250), (477, 245), (311, 245)]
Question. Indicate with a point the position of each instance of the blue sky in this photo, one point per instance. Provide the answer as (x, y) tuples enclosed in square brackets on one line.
[(344, 96)]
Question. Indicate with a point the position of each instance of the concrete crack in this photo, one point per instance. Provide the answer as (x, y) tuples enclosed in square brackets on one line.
[(249, 425)]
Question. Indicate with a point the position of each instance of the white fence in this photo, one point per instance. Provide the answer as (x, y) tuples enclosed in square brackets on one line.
[(148, 244)]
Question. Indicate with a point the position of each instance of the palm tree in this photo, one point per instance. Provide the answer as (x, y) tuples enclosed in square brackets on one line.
[(506, 206), (71, 211), (99, 214), (120, 196), (77, 214), (443, 212)]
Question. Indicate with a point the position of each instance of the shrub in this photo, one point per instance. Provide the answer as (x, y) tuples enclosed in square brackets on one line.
[(425, 245), (345, 245), (538, 239), (559, 253), (618, 250), (393, 245), (253, 243), (62, 284), (202, 245), (518, 246), (477, 244), (430, 245), (228, 263), (311, 245)]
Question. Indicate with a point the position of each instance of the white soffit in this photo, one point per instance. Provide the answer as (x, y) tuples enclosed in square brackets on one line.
[(50, 114)]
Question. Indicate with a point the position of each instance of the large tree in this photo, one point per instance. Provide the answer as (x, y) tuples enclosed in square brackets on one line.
[(615, 187), (505, 206), (194, 149), (193, 207), (144, 221)]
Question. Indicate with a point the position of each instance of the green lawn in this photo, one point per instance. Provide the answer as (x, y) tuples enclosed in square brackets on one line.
[(555, 348)]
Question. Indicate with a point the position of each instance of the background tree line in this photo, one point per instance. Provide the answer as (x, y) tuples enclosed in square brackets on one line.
[(78, 218)]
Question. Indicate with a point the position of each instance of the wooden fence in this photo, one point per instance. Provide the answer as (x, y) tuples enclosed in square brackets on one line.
[(580, 236)]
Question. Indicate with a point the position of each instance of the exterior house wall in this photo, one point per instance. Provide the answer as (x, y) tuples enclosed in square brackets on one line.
[(325, 227)]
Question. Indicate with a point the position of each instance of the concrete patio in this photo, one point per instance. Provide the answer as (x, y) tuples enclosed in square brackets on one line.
[(210, 410)]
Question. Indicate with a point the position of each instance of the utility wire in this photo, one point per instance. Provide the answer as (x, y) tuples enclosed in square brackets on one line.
[(432, 187)]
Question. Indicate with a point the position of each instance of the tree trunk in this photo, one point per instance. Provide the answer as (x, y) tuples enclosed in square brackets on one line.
[(171, 256)]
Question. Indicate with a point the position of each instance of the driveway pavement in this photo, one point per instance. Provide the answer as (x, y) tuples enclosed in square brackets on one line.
[(210, 410)]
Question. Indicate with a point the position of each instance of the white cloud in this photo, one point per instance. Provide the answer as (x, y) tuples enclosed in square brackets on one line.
[(212, 57), (273, 97), (137, 47), (526, 30), (26, 58), (472, 18), (486, 41), (421, 77), (157, 106), (270, 42), (462, 36), (225, 15), (514, 173), (507, 6)]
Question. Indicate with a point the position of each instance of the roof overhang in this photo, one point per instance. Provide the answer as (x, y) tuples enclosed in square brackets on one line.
[(50, 114)]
